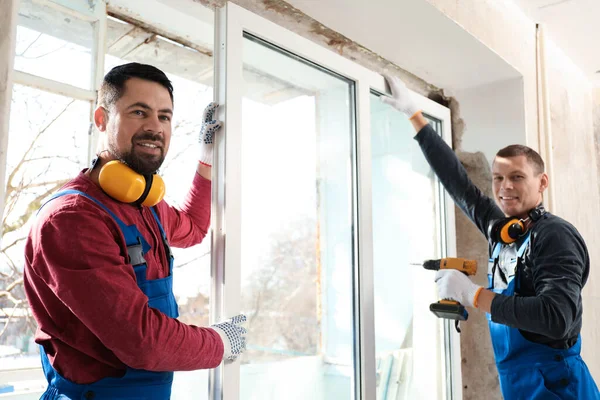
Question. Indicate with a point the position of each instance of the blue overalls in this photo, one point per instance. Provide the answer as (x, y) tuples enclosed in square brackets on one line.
[(529, 370), (135, 384)]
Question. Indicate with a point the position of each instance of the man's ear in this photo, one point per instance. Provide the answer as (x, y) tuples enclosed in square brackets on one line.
[(544, 181), (101, 118)]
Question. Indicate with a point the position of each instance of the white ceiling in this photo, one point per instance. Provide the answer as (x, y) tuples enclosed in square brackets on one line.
[(574, 26), (395, 30), (414, 35)]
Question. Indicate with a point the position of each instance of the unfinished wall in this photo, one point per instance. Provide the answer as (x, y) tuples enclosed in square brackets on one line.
[(507, 31), (479, 376), (596, 116), (494, 116)]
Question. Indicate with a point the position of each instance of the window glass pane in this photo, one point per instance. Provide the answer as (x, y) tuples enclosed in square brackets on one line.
[(190, 71), (297, 237), (408, 337), (54, 45), (47, 145)]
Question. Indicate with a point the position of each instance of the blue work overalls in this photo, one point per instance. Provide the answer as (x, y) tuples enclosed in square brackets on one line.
[(529, 370), (135, 384)]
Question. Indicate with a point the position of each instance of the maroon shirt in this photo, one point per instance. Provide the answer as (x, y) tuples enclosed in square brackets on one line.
[(93, 320)]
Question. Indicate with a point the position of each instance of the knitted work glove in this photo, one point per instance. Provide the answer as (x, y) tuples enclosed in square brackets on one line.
[(207, 132), (233, 336)]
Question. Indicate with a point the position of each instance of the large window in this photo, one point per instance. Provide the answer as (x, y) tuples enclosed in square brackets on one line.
[(321, 199), (47, 36), (405, 231), (297, 247)]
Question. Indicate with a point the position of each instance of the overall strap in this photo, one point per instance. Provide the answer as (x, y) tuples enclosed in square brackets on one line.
[(520, 253), (137, 246), (524, 245), (73, 191), (164, 236)]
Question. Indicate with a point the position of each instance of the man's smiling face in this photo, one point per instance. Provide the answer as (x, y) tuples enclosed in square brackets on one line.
[(139, 125), (517, 186)]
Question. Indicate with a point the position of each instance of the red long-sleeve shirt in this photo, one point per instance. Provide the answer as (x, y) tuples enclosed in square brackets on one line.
[(93, 320)]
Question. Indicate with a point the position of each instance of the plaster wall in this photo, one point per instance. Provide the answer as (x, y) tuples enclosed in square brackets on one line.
[(493, 115)]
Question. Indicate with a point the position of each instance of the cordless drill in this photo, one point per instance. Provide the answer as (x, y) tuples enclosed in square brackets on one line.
[(451, 309)]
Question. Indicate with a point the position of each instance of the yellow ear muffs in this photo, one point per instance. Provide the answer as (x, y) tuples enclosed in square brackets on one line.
[(124, 184), (506, 230), (512, 230)]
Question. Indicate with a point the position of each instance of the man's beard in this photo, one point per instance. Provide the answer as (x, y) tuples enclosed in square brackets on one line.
[(141, 163)]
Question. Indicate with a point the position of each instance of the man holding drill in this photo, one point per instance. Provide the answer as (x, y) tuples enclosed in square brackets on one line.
[(538, 266)]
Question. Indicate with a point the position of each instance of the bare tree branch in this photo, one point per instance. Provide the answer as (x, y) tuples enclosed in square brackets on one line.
[(34, 205), (11, 264), (31, 146), (21, 54), (45, 54), (14, 284), (192, 260), (14, 310)]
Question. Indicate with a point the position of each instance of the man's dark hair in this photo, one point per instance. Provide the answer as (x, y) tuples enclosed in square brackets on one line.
[(113, 85), (515, 150)]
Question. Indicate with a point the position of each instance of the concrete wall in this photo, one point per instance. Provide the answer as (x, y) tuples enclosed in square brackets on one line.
[(493, 115)]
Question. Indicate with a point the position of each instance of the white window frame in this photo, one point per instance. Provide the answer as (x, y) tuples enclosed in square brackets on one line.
[(98, 18), (231, 23)]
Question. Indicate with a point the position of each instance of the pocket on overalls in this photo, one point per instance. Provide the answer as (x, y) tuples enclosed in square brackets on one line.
[(557, 379), (526, 384)]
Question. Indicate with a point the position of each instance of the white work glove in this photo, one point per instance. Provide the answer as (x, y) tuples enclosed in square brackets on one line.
[(207, 133), (233, 336), (454, 285), (401, 98)]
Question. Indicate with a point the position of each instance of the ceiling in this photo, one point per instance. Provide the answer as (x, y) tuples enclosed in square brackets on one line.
[(408, 33), (573, 26)]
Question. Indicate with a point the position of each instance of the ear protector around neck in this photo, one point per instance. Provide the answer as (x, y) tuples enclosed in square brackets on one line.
[(510, 229), (124, 184)]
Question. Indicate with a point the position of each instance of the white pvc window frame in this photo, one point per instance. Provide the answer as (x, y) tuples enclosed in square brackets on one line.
[(232, 21), (97, 17)]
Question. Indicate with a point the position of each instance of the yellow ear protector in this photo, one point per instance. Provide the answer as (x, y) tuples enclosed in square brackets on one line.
[(508, 230), (124, 184)]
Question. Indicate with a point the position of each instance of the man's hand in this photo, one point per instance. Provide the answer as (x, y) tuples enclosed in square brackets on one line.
[(209, 127), (401, 98), (233, 336), (454, 285)]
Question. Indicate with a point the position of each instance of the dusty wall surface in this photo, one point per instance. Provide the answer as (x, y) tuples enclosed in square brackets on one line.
[(502, 27), (596, 116), (479, 376)]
